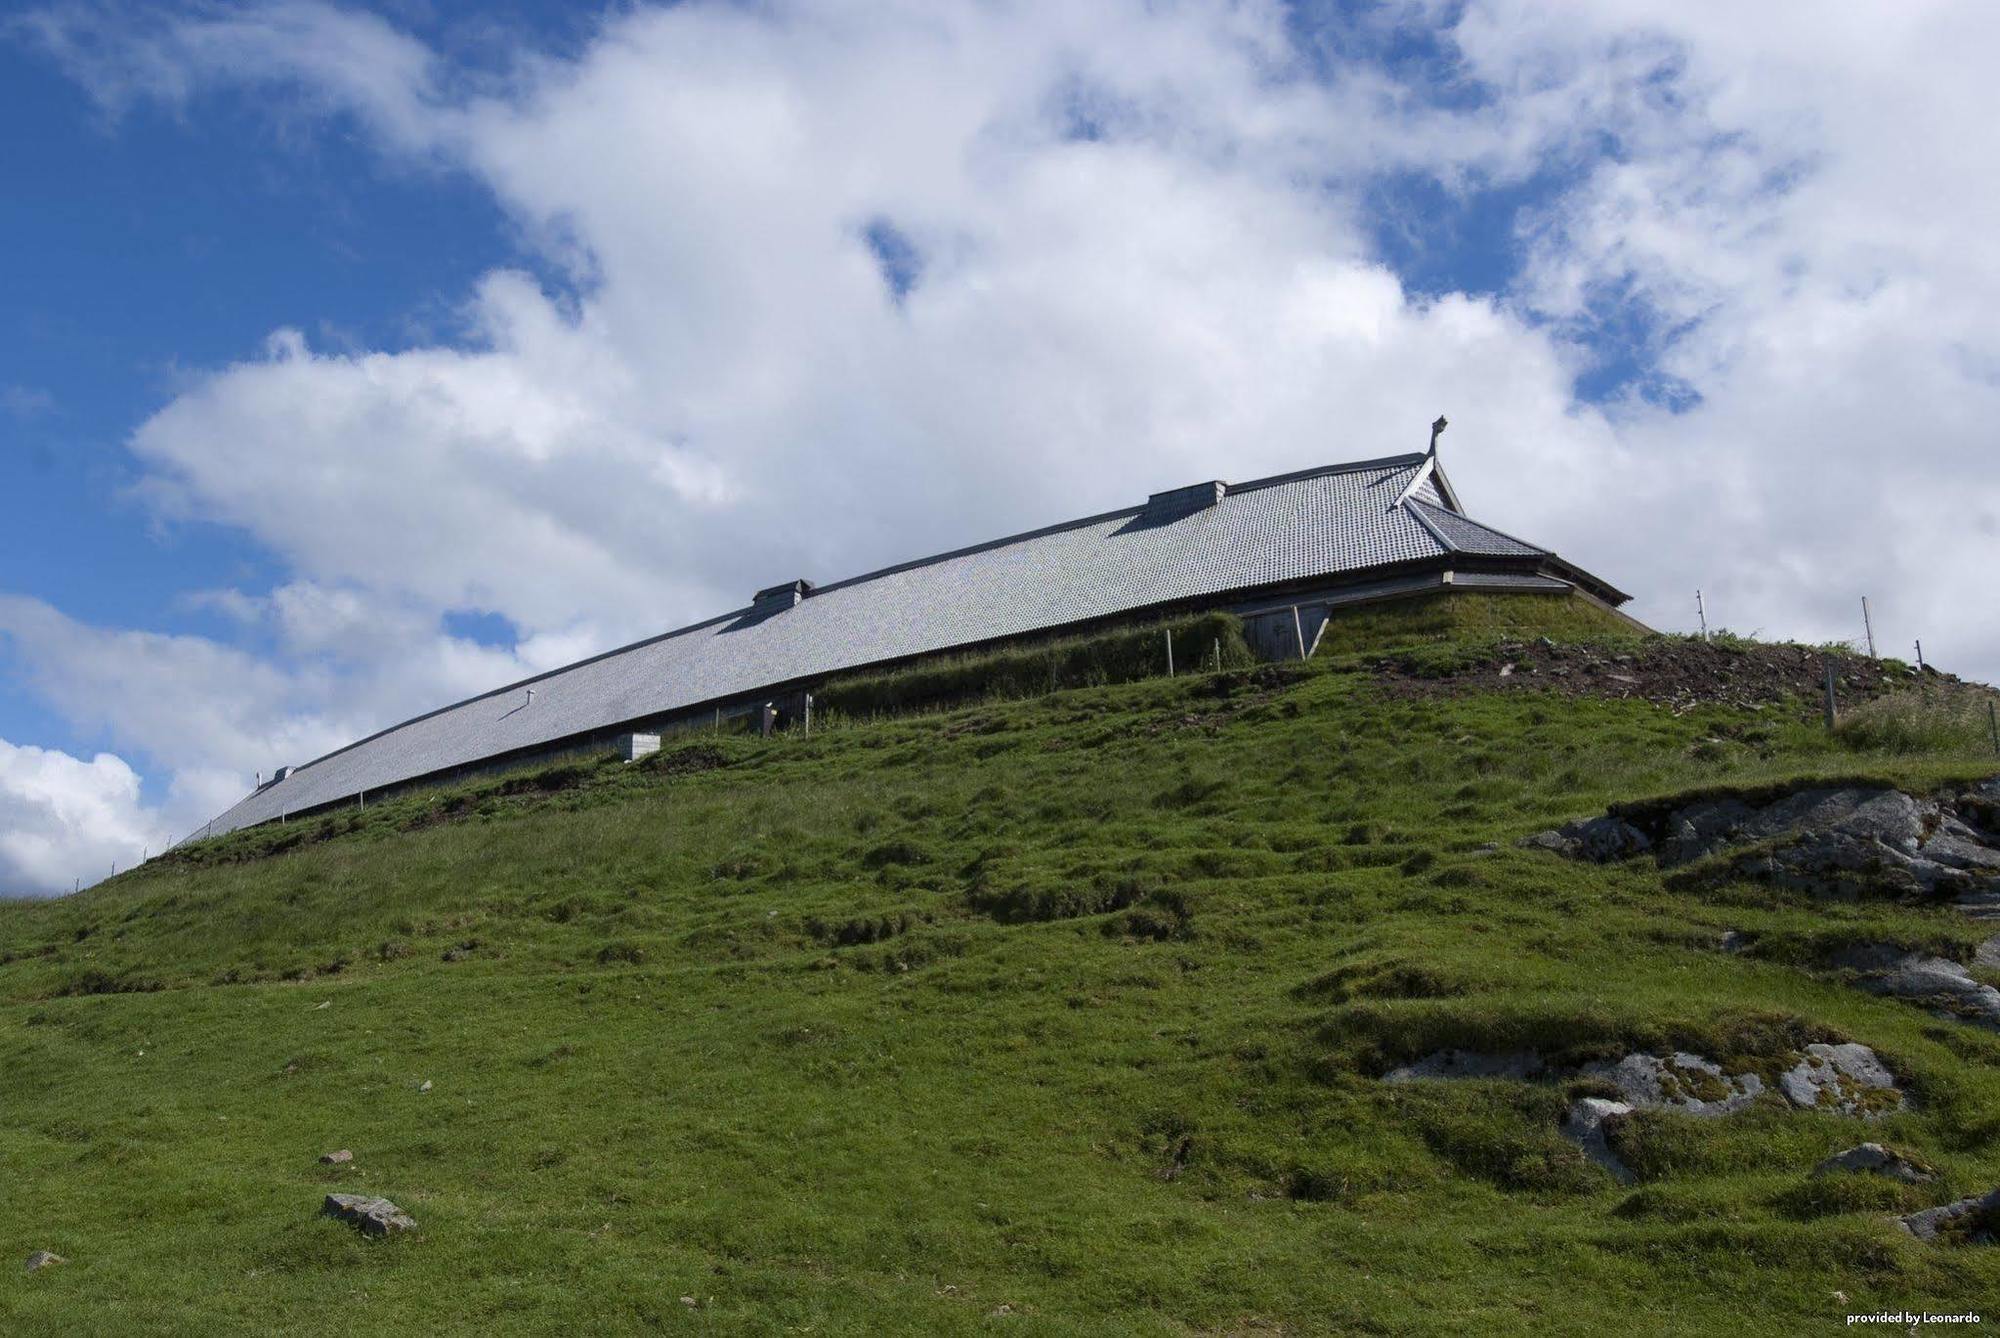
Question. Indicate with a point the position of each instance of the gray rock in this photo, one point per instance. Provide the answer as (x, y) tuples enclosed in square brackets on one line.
[(1970, 1220), (1982, 904), (1602, 840), (1549, 840), (1585, 1126), (1939, 983), (1846, 1079), (1831, 841), (340, 1158), (1599, 840), (1888, 816), (1987, 954), (375, 1217), (1852, 843), (1958, 846), (1874, 1159), (42, 1259), (1735, 940), (1682, 1082), (1448, 1064), (1702, 829), (1831, 866)]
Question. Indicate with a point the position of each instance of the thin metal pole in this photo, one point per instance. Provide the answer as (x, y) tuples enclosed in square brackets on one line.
[(1701, 611), (1168, 634), (1830, 710), (1869, 626), (1920, 656), (1218, 655), (1299, 631), (1993, 723)]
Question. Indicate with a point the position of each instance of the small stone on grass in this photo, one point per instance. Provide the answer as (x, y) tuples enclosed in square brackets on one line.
[(375, 1217), (1873, 1158)]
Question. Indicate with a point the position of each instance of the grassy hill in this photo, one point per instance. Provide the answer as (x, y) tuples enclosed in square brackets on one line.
[(1064, 1014)]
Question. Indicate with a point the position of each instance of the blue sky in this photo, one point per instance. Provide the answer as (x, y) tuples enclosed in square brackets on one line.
[(357, 357)]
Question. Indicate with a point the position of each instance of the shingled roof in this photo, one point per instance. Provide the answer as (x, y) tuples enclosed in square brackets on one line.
[(1206, 545)]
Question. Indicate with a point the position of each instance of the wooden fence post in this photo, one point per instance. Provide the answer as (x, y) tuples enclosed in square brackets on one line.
[(1169, 635), (1829, 693)]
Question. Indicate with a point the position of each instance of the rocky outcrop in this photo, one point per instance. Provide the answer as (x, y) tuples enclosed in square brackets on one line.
[(1874, 1159), (1599, 840), (1680, 1081), (1968, 1221), (1937, 983), (1835, 841), (1849, 1079), (1586, 1124), (375, 1217), (1846, 1079), (42, 1259), (1683, 1082)]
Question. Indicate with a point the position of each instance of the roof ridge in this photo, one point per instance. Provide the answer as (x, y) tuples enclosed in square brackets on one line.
[(1428, 525), (1137, 508), (1464, 519)]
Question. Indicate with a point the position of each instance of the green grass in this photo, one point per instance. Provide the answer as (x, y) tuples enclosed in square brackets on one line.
[(1932, 718), (1058, 1015), (1209, 641), (1471, 620)]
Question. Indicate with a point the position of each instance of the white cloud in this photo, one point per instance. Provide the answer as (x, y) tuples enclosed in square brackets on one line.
[(735, 397), (1142, 254), (64, 820), (1797, 205), (214, 716)]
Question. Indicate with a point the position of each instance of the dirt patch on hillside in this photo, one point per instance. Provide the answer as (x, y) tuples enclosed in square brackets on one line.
[(1672, 672)]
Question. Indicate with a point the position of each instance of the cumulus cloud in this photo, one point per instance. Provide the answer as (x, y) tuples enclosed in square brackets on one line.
[(1793, 226), (63, 819), (819, 287)]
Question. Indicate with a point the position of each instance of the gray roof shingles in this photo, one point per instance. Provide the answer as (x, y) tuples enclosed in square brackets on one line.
[(1319, 523)]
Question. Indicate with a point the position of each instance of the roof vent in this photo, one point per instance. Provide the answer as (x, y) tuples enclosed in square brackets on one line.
[(281, 773), (1182, 501), (782, 596)]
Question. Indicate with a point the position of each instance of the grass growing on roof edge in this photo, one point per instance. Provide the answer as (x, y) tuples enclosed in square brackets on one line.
[(1061, 1012)]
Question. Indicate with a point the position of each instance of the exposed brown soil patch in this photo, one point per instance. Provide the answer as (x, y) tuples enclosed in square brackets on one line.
[(1676, 673)]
